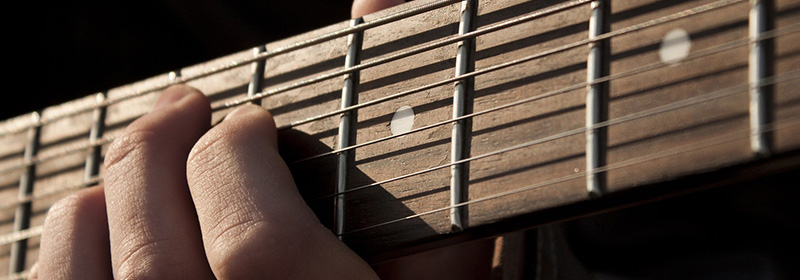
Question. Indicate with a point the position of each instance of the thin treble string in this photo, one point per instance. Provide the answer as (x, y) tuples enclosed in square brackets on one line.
[(416, 50), (57, 154), (11, 203), (665, 19), (697, 54), (719, 140), (20, 235), (492, 28), (672, 17), (34, 231), (654, 66), (246, 61), (638, 115)]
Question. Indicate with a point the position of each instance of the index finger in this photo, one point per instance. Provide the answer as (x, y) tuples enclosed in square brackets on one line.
[(253, 220)]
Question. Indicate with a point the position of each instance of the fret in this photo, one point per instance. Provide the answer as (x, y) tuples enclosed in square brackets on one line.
[(596, 99), (316, 177), (226, 64), (94, 156), (529, 134), (693, 147), (461, 106), (682, 78), (759, 68), (257, 77), (346, 124), (420, 49), (22, 217)]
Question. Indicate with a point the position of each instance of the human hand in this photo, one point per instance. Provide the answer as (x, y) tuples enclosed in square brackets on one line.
[(187, 201), (183, 200)]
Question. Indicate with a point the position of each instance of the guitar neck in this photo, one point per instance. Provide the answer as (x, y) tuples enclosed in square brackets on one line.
[(437, 122)]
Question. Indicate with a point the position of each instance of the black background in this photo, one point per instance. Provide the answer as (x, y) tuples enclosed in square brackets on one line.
[(61, 51), (56, 52)]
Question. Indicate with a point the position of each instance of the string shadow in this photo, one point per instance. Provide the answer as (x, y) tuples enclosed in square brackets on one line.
[(317, 178)]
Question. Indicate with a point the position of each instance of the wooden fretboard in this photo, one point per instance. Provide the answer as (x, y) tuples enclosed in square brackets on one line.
[(440, 121)]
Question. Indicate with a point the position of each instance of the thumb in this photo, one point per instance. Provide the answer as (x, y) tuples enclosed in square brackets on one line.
[(365, 7)]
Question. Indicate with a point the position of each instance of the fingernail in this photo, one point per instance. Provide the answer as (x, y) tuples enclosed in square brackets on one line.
[(169, 97), (241, 111)]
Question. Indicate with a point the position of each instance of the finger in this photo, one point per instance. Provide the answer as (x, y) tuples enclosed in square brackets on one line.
[(254, 222), (75, 239), (34, 272), (364, 7), (153, 228)]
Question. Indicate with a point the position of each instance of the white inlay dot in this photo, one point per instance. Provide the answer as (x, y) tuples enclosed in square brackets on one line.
[(675, 46), (403, 120)]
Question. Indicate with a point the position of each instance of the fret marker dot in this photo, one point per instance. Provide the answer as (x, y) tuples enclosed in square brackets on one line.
[(402, 121), (675, 46)]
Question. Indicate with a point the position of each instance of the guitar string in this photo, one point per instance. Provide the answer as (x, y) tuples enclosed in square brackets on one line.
[(495, 27), (376, 62), (42, 158), (789, 76), (445, 209), (530, 16), (412, 11), (11, 203), (389, 58), (299, 45), (634, 116), (719, 140), (695, 55)]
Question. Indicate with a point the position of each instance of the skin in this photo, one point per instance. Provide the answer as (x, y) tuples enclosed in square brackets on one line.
[(183, 200)]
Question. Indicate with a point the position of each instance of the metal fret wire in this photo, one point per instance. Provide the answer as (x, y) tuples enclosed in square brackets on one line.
[(61, 189), (654, 66), (725, 138), (682, 14), (675, 16), (251, 97), (697, 54), (665, 19), (57, 154), (346, 121), (22, 215), (233, 64), (257, 70), (95, 155), (757, 69), (634, 116), (596, 100), (464, 50), (794, 75), (417, 50), (33, 231)]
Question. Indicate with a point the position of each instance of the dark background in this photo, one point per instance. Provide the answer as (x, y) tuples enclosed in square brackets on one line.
[(57, 52), (65, 50)]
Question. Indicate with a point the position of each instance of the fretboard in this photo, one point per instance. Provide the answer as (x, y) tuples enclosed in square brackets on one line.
[(441, 121)]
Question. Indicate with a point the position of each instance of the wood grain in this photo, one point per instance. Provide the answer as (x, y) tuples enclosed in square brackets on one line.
[(489, 176)]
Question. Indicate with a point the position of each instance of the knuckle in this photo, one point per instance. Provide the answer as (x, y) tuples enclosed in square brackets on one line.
[(236, 247), (148, 259), (212, 151), (133, 144), (67, 209)]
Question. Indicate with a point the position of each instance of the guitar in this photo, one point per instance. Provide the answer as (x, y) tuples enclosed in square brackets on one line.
[(442, 121)]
